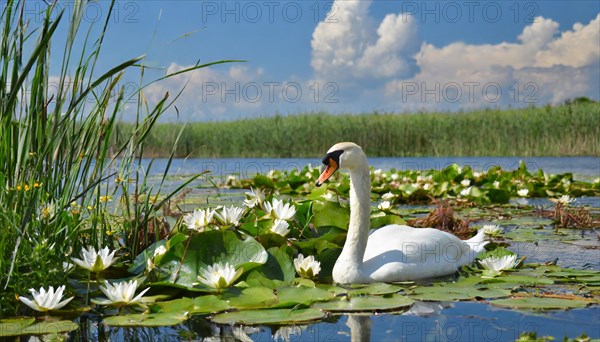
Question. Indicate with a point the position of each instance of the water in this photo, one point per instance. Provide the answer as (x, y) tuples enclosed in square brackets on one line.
[(457, 321), (583, 168)]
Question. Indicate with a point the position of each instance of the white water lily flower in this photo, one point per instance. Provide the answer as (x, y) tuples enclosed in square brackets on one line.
[(496, 184), (465, 182), (522, 192), (394, 176), (95, 261), (279, 210), (427, 186), (328, 196), (281, 227), (387, 196), (231, 215), (465, 192), (253, 198), (491, 229), (199, 219), (219, 276), (385, 205), (565, 200), (46, 300), (307, 267), (497, 264), (160, 250), (120, 294)]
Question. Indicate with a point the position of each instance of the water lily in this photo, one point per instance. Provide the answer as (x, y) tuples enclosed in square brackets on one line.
[(465, 192), (281, 227), (160, 250), (491, 229), (231, 215), (219, 276), (253, 198), (385, 205), (279, 210), (120, 294), (46, 300), (465, 182), (199, 219), (522, 192), (95, 261), (495, 265), (387, 196), (564, 200), (307, 267)]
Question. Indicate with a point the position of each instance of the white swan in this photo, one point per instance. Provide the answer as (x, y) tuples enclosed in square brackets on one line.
[(394, 252)]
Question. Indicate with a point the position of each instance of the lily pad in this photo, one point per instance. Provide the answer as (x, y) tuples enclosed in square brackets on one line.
[(539, 303), (375, 289), (205, 249), (146, 320), (270, 316), (292, 296), (251, 298), (27, 326), (366, 303), (326, 213), (199, 305)]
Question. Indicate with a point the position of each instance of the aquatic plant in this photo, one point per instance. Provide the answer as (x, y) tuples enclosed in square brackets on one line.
[(46, 300)]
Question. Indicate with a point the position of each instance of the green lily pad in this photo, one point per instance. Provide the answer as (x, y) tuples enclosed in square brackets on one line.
[(366, 303), (270, 316), (199, 305), (146, 320), (279, 267), (205, 249), (27, 326), (326, 213), (375, 289), (539, 303), (292, 296), (381, 221), (251, 298)]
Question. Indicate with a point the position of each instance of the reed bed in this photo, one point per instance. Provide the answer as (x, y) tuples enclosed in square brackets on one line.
[(571, 129)]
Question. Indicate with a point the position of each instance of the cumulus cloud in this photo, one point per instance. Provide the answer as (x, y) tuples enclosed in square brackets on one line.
[(544, 66), (354, 46)]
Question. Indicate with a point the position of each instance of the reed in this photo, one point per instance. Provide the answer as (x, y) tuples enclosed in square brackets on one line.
[(572, 129), (60, 167)]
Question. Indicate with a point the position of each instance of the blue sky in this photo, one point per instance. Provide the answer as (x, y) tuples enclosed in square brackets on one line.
[(357, 56)]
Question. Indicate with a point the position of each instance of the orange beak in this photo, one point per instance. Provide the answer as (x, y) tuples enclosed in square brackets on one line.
[(330, 169)]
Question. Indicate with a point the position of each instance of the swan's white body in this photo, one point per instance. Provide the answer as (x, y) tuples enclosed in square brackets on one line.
[(391, 253)]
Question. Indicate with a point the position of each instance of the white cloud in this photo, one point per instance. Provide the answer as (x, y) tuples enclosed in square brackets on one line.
[(355, 47), (540, 68)]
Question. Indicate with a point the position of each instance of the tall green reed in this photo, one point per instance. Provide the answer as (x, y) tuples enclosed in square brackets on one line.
[(64, 181), (569, 129)]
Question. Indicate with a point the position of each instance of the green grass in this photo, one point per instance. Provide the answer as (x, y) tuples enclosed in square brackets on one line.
[(567, 130)]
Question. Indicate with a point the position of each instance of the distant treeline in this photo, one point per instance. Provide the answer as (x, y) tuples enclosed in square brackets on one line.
[(572, 129)]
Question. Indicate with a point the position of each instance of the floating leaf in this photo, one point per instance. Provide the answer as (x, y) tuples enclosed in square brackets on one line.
[(270, 316), (251, 298), (366, 303), (326, 213), (146, 320), (292, 296), (539, 303), (375, 289), (199, 305)]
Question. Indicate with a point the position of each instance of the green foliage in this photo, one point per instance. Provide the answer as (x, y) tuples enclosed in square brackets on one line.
[(566, 130)]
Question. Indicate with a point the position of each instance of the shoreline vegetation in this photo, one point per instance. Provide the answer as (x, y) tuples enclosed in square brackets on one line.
[(570, 129)]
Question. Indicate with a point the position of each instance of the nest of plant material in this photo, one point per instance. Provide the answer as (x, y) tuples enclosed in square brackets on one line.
[(443, 218), (565, 216)]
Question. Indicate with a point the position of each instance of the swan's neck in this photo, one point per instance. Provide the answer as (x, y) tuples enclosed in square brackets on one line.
[(360, 212)]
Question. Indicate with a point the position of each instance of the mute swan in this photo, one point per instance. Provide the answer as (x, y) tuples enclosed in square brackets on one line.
[(394, 252)]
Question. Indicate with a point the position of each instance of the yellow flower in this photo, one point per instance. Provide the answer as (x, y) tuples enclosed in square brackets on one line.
[(26, 187), (105, 198)]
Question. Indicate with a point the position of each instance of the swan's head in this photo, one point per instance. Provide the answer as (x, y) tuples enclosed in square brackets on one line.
[(345, 156)]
